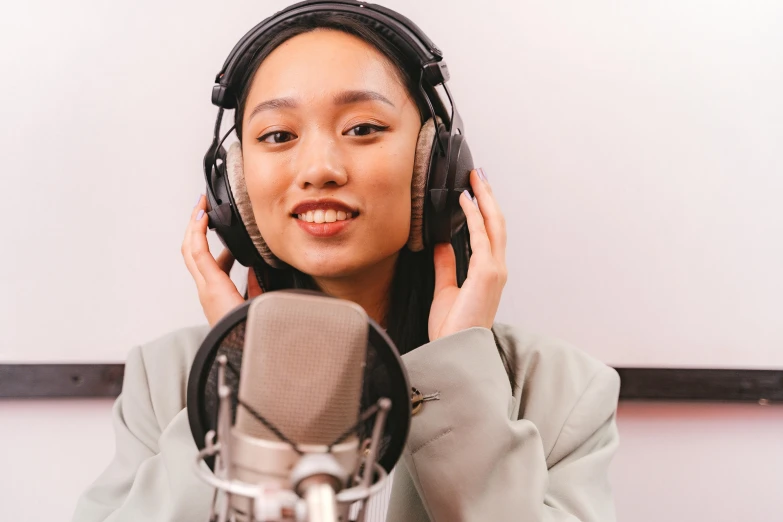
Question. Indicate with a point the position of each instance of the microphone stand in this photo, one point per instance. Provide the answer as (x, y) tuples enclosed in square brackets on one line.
[(372, 454), (317, 477)]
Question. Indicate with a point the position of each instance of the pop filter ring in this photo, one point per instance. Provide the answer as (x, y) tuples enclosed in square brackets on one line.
[(397, 423)]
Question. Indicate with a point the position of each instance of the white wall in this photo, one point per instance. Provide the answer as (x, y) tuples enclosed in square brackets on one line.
[(634, 146), (699, 462), (51, 451), (676, 463)]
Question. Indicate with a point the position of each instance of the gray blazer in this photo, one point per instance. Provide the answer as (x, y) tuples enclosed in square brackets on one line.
[(480, 453)]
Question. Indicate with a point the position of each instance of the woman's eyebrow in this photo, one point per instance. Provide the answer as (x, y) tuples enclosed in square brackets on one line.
[(270, 105), (341, 98), (348, 97)]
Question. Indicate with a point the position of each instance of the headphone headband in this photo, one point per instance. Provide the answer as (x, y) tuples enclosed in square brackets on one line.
[(396, 28)]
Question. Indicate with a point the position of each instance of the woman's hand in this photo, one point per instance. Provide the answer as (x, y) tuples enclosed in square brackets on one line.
[(216, 290), (476, 303)]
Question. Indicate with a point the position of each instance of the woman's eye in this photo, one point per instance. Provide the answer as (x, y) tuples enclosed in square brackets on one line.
[(277, 137), (365, 130)]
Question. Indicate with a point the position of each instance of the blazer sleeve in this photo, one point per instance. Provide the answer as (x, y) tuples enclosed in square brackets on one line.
[(150, 467), (470, 462)]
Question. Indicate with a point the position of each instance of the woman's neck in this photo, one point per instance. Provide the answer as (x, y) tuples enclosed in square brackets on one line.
[(370, 288)]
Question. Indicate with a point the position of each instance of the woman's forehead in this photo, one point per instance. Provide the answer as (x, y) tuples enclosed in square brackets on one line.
[(322, 63)]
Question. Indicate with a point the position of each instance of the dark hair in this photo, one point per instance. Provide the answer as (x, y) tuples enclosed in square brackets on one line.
[(413, 282)]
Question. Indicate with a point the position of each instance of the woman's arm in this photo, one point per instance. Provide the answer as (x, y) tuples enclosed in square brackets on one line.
[(469, 462), (151, 477)]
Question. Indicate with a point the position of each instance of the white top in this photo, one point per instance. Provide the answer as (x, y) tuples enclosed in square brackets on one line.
[(378, 505)]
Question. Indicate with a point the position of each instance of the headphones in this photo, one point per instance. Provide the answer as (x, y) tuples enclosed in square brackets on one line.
[(443, 160)]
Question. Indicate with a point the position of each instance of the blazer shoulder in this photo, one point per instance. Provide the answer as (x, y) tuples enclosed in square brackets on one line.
[(562, 389), (165, 362)]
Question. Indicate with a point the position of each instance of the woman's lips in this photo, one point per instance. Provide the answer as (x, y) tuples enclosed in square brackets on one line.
[(324, 229)]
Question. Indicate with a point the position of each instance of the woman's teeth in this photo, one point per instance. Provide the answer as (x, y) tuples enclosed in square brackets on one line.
[(325, 216)]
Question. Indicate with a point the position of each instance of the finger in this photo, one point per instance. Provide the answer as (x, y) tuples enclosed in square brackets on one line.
[(445, 266), (253, 288), (199, 250), (479, 241), (193, 269), (186, 249), (225, 261), (494, 221), (200, 205)]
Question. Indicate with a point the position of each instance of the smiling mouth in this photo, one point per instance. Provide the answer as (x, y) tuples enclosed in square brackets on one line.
[(325, 216)]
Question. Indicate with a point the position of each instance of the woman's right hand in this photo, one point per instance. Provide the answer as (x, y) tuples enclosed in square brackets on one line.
[(216, 291)]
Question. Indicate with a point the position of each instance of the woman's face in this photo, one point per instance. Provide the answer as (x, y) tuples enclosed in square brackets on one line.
[(329, 136)]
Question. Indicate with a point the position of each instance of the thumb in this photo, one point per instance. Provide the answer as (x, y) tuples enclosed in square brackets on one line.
[(225, 261), (253, 288), (445, 266)]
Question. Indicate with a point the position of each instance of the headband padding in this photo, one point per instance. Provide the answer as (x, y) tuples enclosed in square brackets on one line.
[(421, 165), (236, 181)]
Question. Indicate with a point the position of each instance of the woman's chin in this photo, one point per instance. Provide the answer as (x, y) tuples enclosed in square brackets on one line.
[(339, 266), (327, 270)]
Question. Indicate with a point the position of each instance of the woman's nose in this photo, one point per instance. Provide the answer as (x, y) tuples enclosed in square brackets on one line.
[(320, 164)]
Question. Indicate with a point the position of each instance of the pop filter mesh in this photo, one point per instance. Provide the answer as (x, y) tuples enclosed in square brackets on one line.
[(304, 360), (383, 376)]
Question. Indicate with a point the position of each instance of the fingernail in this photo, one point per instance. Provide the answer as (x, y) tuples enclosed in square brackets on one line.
[(198, 200), (200, 215), (482, 175), (470, 198)]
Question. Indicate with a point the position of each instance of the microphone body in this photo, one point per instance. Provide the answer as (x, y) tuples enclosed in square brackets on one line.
[(293, 452)]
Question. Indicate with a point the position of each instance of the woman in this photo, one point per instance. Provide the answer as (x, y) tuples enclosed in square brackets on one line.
[(328, 120)]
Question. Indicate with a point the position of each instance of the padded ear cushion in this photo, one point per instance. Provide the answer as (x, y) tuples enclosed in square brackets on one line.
[(236, 181), (421, 166)]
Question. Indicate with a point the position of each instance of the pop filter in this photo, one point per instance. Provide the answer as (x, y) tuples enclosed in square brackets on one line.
[(384, 376)]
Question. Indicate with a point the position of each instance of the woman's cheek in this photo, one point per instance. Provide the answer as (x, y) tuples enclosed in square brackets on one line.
[(398, 191), (394, 204), (266, 194)]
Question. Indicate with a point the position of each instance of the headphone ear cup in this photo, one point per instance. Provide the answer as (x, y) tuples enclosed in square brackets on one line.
[(461, 160), (221, 155), (221, 210), (436, 204), (421, 168), (448, 177), (236, 181)]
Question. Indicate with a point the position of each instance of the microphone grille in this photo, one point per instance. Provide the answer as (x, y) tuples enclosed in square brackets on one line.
[(302, 366)]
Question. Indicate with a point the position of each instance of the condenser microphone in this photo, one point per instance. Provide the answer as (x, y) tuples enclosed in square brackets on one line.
[(293, 443), (302, 371)]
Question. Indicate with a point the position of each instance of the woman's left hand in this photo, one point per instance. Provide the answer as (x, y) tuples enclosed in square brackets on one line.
[(476, 302)]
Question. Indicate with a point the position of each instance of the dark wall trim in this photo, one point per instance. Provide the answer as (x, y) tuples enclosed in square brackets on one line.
[(670, 384), (21, 381)]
